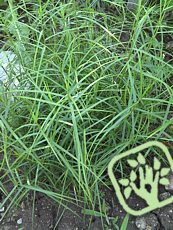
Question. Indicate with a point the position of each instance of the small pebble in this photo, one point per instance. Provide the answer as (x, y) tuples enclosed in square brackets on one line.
[(19, 221), (169, 187), (2, 209), (147, 222), (164, 196), (132, 4)]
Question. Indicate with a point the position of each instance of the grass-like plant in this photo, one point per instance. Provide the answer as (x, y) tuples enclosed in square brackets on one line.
[(99, 83)]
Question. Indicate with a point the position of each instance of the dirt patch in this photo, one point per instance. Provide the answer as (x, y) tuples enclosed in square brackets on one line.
[(38, 215), (43, 214)]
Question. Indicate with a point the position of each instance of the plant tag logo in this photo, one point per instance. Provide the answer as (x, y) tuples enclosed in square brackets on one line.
[(148, 167)]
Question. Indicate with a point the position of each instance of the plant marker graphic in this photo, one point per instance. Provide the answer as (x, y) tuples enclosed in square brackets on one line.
[(148, 176)]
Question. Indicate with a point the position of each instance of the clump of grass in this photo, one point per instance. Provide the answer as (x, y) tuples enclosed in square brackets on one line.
[(91, 94)]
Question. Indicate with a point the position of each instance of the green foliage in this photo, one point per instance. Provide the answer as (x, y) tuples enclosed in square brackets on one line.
[(2, 2), (124, 224), (93, 93)]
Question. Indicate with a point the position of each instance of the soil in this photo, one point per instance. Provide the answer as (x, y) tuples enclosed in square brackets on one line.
[(43, 214)]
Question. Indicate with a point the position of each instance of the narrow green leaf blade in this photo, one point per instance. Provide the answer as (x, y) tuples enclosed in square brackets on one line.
[(125, 222)]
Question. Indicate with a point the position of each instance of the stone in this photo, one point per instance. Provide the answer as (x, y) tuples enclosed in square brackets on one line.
[(19, 221), (164, 196), (132, 4), (169, 187), (97, 224), (147, 222), (166, 217), (10, 71), (2, 209), (7, 58)]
